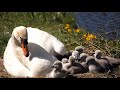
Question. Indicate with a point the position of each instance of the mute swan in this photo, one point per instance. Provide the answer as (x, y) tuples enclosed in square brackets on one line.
[(26, 59), (47, 41)]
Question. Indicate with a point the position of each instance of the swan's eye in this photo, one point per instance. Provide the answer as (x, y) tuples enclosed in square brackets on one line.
[(24, 41), (21, 40)]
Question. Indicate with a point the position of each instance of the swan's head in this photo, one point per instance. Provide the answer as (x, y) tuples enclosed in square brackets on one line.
[(20, 34), (98, 54)]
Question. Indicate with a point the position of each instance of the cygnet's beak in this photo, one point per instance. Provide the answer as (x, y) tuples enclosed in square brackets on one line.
[(52, 66), (24, 45)]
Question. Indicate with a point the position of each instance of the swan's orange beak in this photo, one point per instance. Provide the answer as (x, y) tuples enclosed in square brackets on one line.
[(24, 44)]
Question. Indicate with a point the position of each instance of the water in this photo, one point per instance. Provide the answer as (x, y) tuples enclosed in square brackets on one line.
[(105, 23)]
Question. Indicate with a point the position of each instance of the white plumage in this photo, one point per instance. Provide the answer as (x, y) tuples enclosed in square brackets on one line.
[(50, 43), (38, 62)]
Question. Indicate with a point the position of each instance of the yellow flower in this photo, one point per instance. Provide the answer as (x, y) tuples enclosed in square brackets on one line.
[(69, 30), (84, 35), (88, 38), (67, 25), (94, 37), (90, 35), (77, 30)]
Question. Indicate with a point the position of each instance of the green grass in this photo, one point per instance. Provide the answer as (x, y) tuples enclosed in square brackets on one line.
[(54, 23)]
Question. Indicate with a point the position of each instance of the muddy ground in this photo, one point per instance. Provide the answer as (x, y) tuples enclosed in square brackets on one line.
[(114, 74), (3, 73)]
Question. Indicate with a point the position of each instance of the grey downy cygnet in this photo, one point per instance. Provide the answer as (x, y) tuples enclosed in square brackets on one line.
[(82, 60), (106, 64), (75, 54), (82, 57), (80, 49), (73, 67), (57, 71), (113, 61), (93, 66)]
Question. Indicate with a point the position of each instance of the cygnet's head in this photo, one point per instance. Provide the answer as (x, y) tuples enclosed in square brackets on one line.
[(83, 56), (64, 60), (57, 64), (80, 49), (20, 36), (90, 60), (98, 54), (75, 54)]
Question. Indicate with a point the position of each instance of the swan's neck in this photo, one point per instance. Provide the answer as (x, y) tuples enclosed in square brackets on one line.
[(15, 42), (16, 47), (18, 52)]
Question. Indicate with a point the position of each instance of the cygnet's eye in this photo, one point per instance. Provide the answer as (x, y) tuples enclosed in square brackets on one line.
[(55, 66)]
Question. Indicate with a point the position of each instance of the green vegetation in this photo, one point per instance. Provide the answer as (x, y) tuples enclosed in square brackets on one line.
[(54, 23)]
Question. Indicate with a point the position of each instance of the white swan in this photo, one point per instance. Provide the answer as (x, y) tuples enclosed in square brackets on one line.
[(50, 43), (26, 59)]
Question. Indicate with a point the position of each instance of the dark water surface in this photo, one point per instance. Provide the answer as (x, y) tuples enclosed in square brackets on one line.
[(105, 23)]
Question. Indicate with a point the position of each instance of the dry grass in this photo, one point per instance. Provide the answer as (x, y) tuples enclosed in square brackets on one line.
[(3, 73)]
